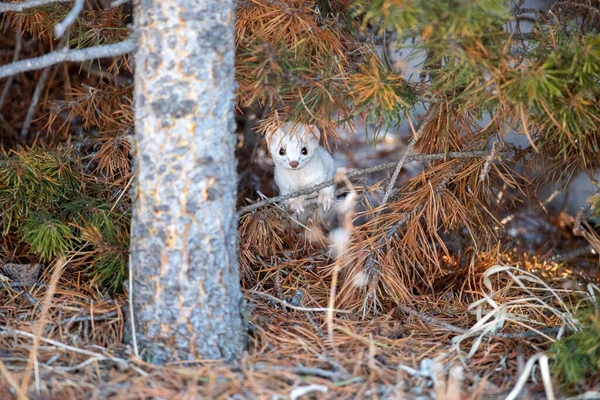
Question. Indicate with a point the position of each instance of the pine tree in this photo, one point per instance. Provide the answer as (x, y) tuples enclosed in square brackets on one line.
[(326, 63)]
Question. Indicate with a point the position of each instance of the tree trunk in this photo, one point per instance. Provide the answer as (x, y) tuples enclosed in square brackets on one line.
[(186, 293)]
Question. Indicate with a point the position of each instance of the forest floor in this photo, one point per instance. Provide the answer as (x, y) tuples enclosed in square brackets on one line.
[(485, 320)]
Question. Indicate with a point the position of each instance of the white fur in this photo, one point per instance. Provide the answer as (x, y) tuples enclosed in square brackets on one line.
[(314, 167)]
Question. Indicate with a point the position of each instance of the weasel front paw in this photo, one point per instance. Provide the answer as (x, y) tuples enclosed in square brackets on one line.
[(296, 205), (326, 199)]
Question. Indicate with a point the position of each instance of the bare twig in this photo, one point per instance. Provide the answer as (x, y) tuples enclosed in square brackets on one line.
[(61, 27), (582, 251), (26, 5), (488, 162), (291, 306), (359, 172), (6, 331), (102, 317), (409, 149), (119, 79), (35, 99), (59, 56), (117, 3), (16, 54), (300, 370), (31, 300), (399, 166)]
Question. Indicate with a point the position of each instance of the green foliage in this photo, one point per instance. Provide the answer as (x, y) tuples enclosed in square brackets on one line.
[(54, 208), (110, 270), (577, 357), (595, 200), (35, 181), (557, 87), (438, 22), (546, 87), (47, 236), (381, 94)]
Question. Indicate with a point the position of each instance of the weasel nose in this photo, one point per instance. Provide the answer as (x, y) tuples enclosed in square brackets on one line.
[(294, 164)]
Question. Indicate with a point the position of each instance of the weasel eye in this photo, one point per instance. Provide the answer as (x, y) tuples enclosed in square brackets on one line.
[(304, 151), (282, 151)]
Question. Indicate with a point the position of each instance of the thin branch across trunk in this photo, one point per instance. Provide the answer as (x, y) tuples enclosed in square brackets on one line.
[(360, 172)]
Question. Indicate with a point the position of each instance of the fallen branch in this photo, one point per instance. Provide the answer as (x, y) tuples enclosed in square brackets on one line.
[(68, 55), (358, 172)]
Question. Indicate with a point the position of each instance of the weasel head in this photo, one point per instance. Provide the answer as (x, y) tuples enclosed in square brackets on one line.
[(292, 148)]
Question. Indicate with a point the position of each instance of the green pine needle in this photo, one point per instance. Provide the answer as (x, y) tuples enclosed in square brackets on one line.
[(577, 357), (47, 236)]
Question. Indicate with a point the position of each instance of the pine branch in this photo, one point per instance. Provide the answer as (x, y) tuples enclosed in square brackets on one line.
[(110, 50), (358, 172), (26, 5), (371, 268)]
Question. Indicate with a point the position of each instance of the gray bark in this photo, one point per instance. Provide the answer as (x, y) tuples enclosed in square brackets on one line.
[(186, 292)]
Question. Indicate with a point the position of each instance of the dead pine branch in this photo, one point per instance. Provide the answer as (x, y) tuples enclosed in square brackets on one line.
[(35, 99), (371, 270)]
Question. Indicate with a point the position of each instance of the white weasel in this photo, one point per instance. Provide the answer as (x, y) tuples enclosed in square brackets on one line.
[(300, 162)]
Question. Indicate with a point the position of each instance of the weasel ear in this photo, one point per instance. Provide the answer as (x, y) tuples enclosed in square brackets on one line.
[(274, 139), (313, 133)]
